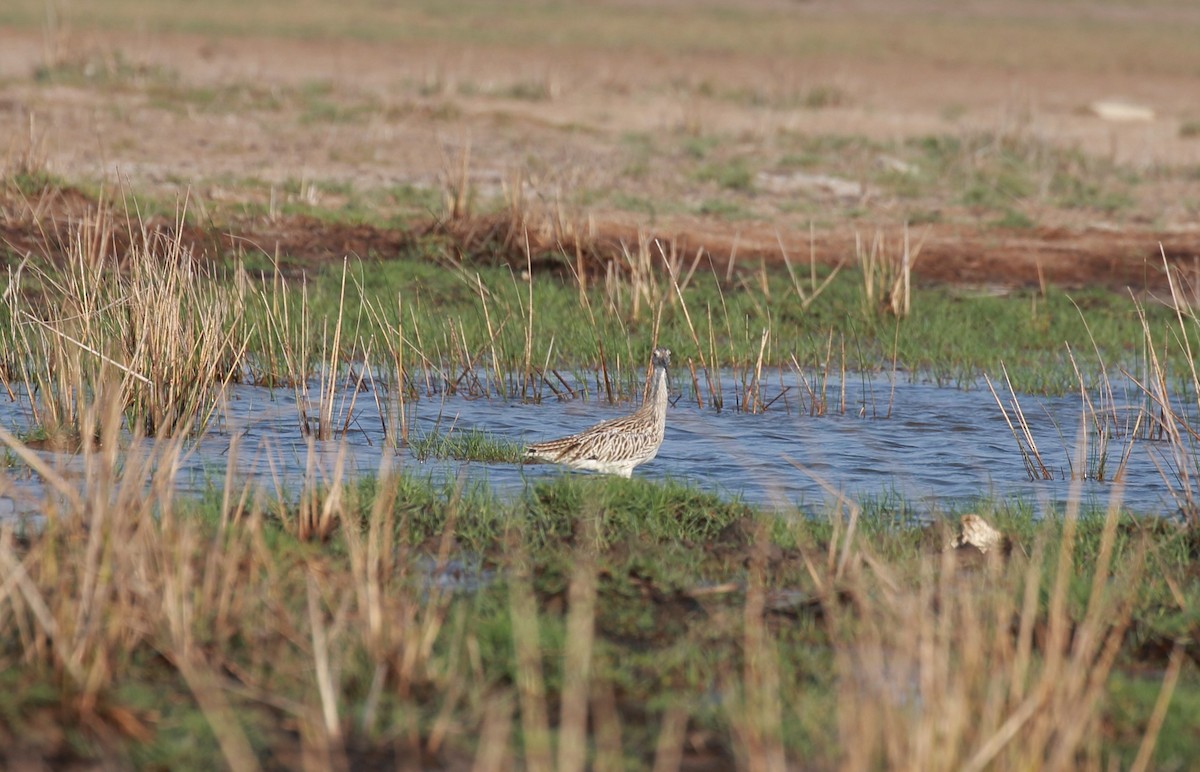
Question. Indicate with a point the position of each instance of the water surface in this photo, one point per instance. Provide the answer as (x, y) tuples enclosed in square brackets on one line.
[(931, 446)]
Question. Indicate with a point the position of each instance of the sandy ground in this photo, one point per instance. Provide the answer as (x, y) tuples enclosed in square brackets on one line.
[(580, 129)]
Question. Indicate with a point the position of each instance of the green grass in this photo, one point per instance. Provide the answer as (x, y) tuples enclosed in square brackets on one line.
[(723, 209), (952, 334), (671, 567), (735, 174), (1013, 218), (442, 303), (466, 444), (639, 204)]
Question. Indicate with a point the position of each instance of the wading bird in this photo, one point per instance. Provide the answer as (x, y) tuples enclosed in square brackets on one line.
[(618, 445)]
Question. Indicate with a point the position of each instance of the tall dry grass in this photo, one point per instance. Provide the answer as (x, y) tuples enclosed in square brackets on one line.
[(1164, 415), (983, 664), (1172, 416), (119, 571), (154, 314), (887, 272)]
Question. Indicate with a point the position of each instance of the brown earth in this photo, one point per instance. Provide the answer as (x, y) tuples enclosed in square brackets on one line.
[(271, 138), (992, 257)]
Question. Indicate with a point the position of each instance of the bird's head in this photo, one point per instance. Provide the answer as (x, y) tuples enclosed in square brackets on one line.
[(661, 357)]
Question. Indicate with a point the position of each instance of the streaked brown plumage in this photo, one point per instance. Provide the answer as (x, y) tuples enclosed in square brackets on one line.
[(618, 445)]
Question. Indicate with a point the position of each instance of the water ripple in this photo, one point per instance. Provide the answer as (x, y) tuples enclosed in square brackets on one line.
[(939, 445)]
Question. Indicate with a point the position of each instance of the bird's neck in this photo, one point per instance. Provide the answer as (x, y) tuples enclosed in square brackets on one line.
[(656, 400)]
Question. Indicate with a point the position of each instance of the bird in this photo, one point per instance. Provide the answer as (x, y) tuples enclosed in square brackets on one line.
[(617, 445)]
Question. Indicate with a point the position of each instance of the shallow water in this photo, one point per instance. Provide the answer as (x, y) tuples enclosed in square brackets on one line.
[(937, 447)]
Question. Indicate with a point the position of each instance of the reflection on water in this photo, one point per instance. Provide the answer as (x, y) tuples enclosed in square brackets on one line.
[(939, 446)]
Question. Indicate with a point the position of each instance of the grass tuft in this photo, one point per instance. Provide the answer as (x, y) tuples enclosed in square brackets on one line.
[(465, 445)]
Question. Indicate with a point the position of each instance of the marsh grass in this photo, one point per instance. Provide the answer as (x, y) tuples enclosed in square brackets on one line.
[(441, 322), (593, 621), (887, 273), (1014, 417), (1029, 710), (1157, 406), (1171, 415), (465, 444), (153, 314), (1009, 171)]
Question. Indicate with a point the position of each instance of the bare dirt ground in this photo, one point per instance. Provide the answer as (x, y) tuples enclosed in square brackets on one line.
[(731, 139)]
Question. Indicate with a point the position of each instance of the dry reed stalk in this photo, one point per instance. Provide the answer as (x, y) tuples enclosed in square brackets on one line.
[(493, 754), (967, 670), (717, 398), (887, 277), (815, 404), (1181, 472), (498, 384), (178, 605), (531, 689), (807, 296), (327, 685), (320, 501), (704, 365), (395, 412), (1182, 307), (152, 314), (668, 752), (1159, 714), (372, 566), (577, 659), (1103, 421), (454, 686), (26, 154), (456, 184), (329, 371), (528, 372), (400, 376), (1030, 456), (606, 732), (1179, 429), (1106, 418), (332, 412), (758, 720)]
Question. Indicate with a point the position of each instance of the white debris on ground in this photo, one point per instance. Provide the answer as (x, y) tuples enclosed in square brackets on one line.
[(1119, 110), (798, 182), (975, 532)]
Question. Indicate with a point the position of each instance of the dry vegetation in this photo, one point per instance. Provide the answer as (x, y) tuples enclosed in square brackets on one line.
[(681, 185)]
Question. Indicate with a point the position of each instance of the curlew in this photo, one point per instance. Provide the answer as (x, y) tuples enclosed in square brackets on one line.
[(618, 445)]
